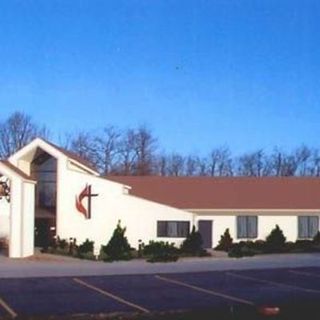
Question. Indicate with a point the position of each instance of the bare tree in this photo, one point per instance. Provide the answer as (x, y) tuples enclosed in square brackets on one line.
[(276, 162), (127, 154), (220, 162), (203, 166), (225, 163), (252, 164), (17, 131), (315, 158), (133, 152), (176, 164), (161, 165), (108, 145), (83, 144), (145, 146), (192, 165), (303, 155), (289, 166)]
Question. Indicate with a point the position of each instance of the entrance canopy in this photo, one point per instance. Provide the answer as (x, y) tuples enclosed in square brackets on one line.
[(18, 191)]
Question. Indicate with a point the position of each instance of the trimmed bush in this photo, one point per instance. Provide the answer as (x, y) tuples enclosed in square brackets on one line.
[(160, 251), (87, 256), (86, 246), (242, 249), (259, 246), (85, 250), (73, 248), (58, 246), (4, 243), (103, 256), (275, 241), (303, 246), (226, 242), (316, 238), (235, 252), (118, 247), (62, 243), (192, 245)]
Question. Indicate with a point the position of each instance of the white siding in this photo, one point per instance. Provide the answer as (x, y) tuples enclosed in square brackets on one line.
[(288, 223), (27, 228), (139, 216), (4, 218)]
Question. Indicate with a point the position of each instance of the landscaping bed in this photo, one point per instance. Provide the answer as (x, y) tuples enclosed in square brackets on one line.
[(275, 242), (118, 248)]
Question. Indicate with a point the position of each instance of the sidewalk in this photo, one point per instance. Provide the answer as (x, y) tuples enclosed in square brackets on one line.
[(57, 266)]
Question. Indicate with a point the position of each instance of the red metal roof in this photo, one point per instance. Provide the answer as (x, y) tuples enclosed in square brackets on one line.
[(227, 192)]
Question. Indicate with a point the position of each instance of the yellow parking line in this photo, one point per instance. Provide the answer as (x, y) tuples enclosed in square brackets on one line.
[(7, 308), (303, 273), (283, 285), (211, 292), (110, 295)]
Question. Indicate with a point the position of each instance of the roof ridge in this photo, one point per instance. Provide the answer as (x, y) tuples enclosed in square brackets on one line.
[(72, 155)]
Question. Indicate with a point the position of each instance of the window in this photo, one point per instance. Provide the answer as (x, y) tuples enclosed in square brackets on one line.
[(247, 227), (173, 229), (308, 226)]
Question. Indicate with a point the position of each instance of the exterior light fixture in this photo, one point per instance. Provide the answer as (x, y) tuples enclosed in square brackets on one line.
[(4, 190)]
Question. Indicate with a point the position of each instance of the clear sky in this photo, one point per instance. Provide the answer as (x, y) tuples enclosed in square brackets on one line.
[(199, 73)]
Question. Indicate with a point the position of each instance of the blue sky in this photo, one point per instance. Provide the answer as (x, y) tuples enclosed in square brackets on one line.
[(199, 73)]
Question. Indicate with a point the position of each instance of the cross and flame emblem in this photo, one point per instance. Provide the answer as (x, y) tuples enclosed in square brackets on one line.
[(85, 193)]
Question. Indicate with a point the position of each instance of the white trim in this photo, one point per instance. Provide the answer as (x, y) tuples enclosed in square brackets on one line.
[(7, 171), (80, 166), (49, 148)]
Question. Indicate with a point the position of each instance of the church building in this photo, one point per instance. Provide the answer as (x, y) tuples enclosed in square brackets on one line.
[(46, 191)]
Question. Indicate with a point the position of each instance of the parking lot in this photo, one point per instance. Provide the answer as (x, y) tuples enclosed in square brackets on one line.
[(150, 293)]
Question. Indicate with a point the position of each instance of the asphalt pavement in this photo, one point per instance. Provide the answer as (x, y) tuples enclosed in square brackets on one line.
[(282, 288)]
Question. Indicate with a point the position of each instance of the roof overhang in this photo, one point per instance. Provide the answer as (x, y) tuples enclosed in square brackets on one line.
[(28, 151), (9, 170)]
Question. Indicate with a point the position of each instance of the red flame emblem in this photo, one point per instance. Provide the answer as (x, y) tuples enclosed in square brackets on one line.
[(80, 207), (85, 193)]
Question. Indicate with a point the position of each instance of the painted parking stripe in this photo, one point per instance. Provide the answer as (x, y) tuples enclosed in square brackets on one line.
[(273, 283), (5, 306), (110, 295), (211, 292), (303, 273)]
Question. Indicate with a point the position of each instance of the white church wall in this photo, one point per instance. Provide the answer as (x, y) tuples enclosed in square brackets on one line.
[(288, 224), (139, 216), (24, 166), (70, 222), (287, 221), (4, 218), (27, 227), (15, 219), (219, 224)]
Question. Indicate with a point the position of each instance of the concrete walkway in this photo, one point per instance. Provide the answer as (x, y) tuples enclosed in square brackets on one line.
[(55, 266)]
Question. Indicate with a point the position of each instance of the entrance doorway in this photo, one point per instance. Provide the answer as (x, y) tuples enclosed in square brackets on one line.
[(44, 232), (205, 229), (44, 171)]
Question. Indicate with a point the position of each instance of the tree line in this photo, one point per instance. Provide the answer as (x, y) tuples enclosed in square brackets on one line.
[(136, 151)]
